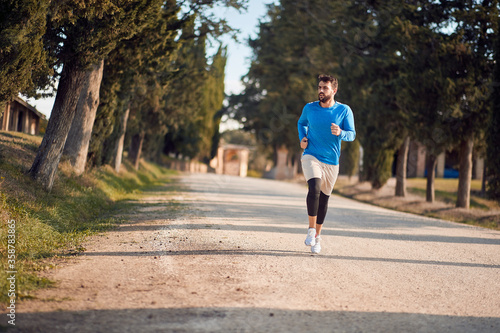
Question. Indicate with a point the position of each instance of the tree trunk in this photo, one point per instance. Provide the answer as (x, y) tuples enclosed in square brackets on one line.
[(431, 175), (49, 153), (77, 143), (136, 148), (401, 168), (121, 140), (483, 181), (465, 173)]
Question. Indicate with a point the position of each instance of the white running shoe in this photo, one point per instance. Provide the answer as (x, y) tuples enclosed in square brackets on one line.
[(316, 248), (311, 237)]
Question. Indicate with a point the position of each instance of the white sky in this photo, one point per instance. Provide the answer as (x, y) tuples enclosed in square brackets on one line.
[(238, 60)]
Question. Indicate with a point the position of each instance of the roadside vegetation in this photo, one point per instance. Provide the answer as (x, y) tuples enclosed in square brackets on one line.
[(51, 225), (482, 212)]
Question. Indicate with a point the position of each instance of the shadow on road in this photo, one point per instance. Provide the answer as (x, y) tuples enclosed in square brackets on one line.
[(335, 230), (279, 253), (246, 320)]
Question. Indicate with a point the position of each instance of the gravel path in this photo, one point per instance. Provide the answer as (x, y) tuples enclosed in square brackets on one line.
[(227, 254)]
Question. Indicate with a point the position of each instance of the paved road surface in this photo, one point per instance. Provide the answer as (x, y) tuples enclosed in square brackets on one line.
[(233, 259)]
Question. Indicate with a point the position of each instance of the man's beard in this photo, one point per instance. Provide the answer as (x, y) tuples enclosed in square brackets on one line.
[(324, 98)]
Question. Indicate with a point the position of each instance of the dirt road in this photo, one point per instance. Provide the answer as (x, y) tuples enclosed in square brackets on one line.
[(227, 254)]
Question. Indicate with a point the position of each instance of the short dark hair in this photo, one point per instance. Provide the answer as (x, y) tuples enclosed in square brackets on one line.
[(329, 78)]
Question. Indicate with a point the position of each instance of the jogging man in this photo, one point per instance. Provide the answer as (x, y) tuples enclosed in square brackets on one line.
[(322, 126)]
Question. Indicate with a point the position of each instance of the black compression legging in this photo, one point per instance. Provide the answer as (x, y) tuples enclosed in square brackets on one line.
[(317, 201)]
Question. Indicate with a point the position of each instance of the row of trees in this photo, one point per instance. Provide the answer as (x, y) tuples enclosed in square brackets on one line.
[(126, 71), (408, 69)]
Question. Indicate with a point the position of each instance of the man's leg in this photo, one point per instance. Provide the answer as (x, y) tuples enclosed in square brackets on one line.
[(322, 209), (312, 201), (312, 221)]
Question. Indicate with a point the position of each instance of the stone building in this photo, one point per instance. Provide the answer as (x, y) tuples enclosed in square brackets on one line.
[(19, 116), (231, 160)]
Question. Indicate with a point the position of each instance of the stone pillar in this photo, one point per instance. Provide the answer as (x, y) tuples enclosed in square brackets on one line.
[(6, 118), (26, 122), (219, 169), (32, 126), (243, 162), (14, 119), (281, 163)]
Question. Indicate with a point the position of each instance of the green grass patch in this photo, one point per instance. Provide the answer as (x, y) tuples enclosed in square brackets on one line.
[(447, 197), (445, 189), (53, 224), (442, 184)]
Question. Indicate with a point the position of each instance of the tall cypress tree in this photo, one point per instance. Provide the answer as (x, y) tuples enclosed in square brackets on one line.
[(148, 62), (23, 60), (493, 136), (477, 26), (79, 36), (146, 56), (214, 97), (185, 97)]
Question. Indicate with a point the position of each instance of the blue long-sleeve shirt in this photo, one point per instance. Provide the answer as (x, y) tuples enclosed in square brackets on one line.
[(315, 124)]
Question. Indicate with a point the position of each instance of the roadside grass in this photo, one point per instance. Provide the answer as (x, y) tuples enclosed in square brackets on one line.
[(51, 225), (482, 213), (446, 191)]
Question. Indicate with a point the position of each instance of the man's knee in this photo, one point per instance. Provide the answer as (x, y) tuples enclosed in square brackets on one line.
[(323, 198), (314, 185)]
